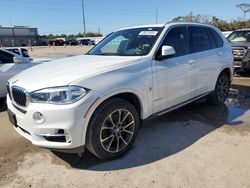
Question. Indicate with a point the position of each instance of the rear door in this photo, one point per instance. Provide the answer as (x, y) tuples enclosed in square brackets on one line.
[(204, 50)]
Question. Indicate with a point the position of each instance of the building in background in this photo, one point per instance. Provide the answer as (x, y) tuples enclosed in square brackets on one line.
[(18, 36)]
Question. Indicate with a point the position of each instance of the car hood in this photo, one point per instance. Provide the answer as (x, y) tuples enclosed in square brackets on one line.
[(64, 71), (241, 44)]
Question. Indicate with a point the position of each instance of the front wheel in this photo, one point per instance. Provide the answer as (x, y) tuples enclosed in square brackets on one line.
[(112, 129), (221, 91)]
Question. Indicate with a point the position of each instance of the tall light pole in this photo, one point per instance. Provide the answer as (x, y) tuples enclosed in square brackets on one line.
[(156, 15), (83, 19), (156, 12), (245, 7)]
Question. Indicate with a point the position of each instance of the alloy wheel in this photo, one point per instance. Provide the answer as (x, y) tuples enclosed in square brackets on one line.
[(222, 88), (117, 130)]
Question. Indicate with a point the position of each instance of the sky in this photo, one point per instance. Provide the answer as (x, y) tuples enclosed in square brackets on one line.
[(65, 16)]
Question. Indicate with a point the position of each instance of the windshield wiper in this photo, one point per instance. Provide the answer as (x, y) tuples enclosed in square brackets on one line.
[(105, 54)]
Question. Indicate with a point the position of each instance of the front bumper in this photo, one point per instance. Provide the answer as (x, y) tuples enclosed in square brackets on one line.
[(242, 64), (242, 61), (62, 128), (237, 64)]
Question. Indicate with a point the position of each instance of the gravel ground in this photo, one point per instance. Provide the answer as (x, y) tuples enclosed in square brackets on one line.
[(58, 51), (200, 145)]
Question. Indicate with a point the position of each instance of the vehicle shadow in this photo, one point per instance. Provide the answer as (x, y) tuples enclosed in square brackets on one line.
[(3, 105), (161, 137)]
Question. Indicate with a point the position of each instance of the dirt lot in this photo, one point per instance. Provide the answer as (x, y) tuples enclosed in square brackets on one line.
[(58, 51), (200, 145)]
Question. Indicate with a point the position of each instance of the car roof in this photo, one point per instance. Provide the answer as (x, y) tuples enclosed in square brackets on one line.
[(12, 48), (15, 48), (168, 24), (244, 29), (142, 26)]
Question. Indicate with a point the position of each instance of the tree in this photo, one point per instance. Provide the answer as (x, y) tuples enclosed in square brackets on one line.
[(221, 24), (79, 35)]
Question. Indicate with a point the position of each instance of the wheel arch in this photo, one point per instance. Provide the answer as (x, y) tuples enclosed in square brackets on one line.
[(228, 71), (131, 96), (128, 95)]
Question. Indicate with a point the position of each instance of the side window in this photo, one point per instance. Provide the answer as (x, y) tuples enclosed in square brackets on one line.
[(16, 51), (211, 39), (25, 53), (6, 57), (178, 38), (217, 38), (199, 39)]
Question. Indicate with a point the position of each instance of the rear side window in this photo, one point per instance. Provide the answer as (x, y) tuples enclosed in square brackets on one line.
[(212, 41), (178, 38), (16, 51), (25, 53), (199, 39), (217, 38), (6, 58)]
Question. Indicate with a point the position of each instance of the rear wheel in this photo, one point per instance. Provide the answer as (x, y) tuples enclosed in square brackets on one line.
[(221, 91), (112, 129)]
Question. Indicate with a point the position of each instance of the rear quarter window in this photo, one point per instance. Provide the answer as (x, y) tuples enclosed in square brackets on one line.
[(213, 43)]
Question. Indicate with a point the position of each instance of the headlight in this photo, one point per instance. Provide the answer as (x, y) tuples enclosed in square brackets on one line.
[(59, 95)]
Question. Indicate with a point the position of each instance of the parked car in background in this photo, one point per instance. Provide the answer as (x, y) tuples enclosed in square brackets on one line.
[(25, 54), (92, 42), (71, 42), (57, 42), (98, 100), (10, 65), (86, 42), (240, 41), (20, 51)]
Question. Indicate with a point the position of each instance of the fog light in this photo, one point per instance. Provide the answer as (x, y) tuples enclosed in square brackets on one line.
[(38, 117), (67, 136)]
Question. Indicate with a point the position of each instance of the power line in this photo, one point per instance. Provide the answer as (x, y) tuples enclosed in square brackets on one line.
[(91, 10), (76, 4)]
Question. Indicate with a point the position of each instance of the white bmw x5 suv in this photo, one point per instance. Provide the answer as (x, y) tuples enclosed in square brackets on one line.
[(97, 101)]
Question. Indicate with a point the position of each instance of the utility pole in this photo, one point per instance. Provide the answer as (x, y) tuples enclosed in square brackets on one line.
[(245, 7), (83, 19), (10, 22)]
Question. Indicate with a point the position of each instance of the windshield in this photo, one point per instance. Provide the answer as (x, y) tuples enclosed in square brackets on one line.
[(130, 42), (239, 36)]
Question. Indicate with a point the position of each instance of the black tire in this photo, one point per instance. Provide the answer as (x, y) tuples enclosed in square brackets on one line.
[(220, 93), (105, 123)]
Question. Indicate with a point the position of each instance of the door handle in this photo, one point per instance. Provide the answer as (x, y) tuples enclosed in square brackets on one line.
[(219, 54), (191, 61)]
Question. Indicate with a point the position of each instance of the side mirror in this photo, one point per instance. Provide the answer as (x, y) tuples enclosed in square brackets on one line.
[(167, 51), (18, 60)]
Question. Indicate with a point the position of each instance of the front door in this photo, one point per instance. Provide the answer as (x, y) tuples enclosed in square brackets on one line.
[(174, 78)]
